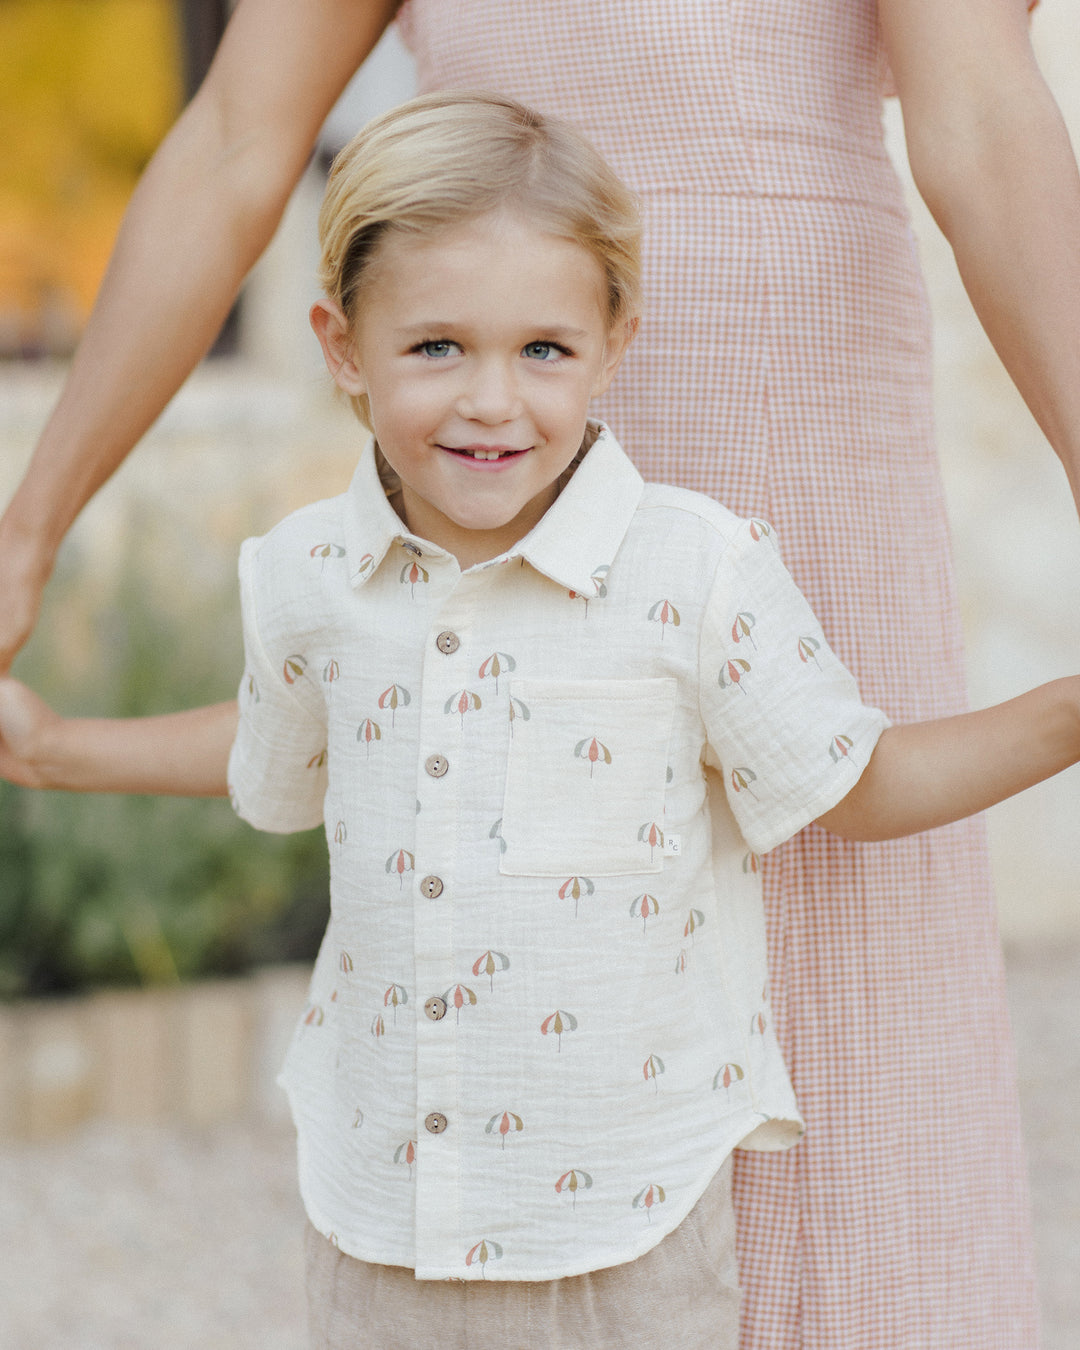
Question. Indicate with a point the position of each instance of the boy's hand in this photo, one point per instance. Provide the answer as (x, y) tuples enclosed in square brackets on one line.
[(25, 721)]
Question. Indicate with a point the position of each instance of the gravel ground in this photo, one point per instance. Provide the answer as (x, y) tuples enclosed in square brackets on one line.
[(161, 1239)]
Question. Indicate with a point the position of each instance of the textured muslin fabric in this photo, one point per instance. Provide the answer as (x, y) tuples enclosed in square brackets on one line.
[(539, 1021), (783, 366), (682, 1293)]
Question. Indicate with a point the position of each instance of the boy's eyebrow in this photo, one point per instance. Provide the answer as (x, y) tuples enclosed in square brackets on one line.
[(553, 331)]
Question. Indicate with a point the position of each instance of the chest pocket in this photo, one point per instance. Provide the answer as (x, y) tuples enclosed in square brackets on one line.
[(586, 777)]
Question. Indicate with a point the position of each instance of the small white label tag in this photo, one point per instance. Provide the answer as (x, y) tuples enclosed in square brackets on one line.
[(672, 845)]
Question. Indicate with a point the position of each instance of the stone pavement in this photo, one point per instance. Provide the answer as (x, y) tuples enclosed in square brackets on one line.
[(154, 1238)]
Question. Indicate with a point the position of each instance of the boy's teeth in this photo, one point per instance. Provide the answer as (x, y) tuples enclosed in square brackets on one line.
[(485, 454)]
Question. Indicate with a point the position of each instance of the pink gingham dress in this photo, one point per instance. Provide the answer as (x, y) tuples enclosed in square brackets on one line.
[(784, 368)]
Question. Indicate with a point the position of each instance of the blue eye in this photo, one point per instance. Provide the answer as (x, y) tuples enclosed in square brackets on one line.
[(544, 351), (435, 349)]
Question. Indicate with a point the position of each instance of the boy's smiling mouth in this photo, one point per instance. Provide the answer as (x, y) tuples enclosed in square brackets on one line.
[(485, 452)]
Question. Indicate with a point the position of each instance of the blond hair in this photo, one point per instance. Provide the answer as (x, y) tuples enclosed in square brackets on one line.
[(446, 158)]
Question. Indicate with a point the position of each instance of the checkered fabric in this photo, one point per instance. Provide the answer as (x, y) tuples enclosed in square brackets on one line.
[(784, 368)]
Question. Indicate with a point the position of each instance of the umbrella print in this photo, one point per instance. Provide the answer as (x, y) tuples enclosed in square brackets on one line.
[(599, 579), (394, 997), (460, 995), (751, 864), (345, 963), (651, 834), (378, 1027), (496, 833), (732, 672), (808, 649), (681, 961), (741, 780), (366, 563), (341, 833), (556, 1023), (325, 551), (318, 760), (367, 732), (518, 709), (649, 1196), (504, 1123), (573, 1181), (758, 1024), (393, 698), (596, 752), (314, 1017), (726, 1075), (412, 574), (294, 667), (759, 529), (740, 629), (664, 613), (482, 1253), (253, 689), (695, 919), (488, 963), (462, 702), (406, 1153), (331, 674), (400, 862), (653, 1068), (574, 888), (644, 907), (840, 748), (498, 663)]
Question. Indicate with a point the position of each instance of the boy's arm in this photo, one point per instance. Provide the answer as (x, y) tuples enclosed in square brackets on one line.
[(927, 774), (178, 754)]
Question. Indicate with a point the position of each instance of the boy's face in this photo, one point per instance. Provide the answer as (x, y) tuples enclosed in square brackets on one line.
[(479, 350)]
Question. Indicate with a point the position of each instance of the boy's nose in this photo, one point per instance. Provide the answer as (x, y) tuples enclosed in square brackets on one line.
[(490, 394)]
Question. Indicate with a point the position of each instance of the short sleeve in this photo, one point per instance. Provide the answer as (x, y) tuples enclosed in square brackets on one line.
[(277, 767), (784, 719)]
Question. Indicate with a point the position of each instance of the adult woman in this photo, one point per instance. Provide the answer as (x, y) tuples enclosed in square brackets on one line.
[(785, 306)]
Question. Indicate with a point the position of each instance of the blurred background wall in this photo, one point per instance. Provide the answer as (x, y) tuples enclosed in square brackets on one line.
[(142, 613)]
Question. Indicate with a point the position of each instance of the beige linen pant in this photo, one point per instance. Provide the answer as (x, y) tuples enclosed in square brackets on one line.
[(684, 1293)]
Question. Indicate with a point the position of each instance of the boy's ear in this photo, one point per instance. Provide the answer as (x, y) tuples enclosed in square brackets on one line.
[(338, 347), (616, 344)]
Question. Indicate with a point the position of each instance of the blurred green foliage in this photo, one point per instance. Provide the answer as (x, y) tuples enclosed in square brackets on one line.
[(129, 890)]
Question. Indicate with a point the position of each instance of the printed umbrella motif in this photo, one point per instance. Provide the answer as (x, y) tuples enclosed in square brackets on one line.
[(840, 748), (393, 997), (367, 732), (294, 667), (331, 672), (459, 995), (253, 689), (496, 833), (751, 864), (664, 613), (759, 529), (647, 1197), (318, 760), (366, 563), (653, 1068), (726, 1075), (741, 780), (378, 1027), (314, 1016), (758, 1024), (643, 907), (400, 862), (462, 702), (808, 649), (413, 574), (341, 833), (575, 887), (488, 963), (556, 1023), (504, 1123), (681, 961), (573, 1181), (651, 834), (345, 963), (495, 665), (732, 672), (695, 919), (325, 551), (486, 1250), (596, 752), (518, 709), (393, 698), (406, 1153), (740, 629)]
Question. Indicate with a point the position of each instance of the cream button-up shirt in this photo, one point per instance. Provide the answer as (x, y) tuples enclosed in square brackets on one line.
[(539, 1019)]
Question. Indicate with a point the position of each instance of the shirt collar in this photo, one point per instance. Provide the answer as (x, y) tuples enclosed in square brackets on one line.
[(574, 543)]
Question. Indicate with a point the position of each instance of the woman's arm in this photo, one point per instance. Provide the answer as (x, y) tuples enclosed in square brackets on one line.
[(991, 156), (931, 773), (182, 754), (204, 210)]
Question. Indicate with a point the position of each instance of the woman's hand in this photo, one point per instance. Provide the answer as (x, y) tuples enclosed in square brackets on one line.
[(26, 723)]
